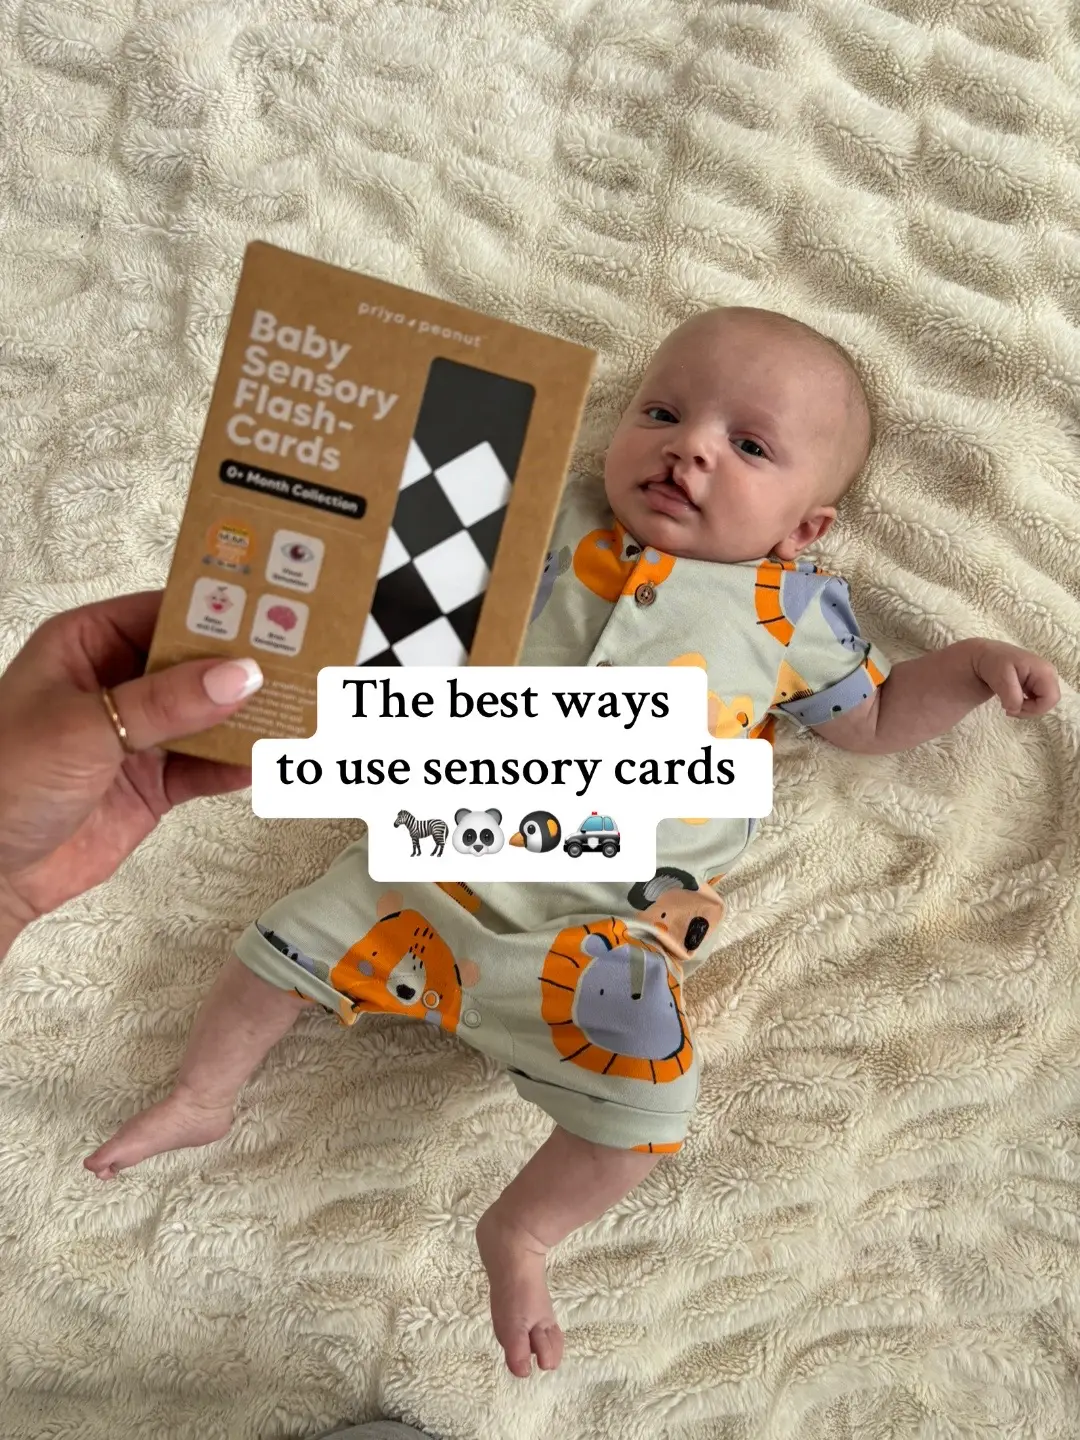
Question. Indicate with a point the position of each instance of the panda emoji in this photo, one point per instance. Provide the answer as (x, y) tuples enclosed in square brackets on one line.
[(478, 832), (538, 832)]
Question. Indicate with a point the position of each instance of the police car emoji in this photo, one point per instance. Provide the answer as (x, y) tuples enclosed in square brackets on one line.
[(596, 832)]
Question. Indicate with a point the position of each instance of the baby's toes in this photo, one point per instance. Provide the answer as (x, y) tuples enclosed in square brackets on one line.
[(517, 1349), (547, 1344)]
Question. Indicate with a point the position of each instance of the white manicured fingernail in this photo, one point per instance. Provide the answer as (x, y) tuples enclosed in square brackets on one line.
[(232, 680)]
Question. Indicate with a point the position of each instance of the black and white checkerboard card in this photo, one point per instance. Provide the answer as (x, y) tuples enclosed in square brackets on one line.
[(451, 505)]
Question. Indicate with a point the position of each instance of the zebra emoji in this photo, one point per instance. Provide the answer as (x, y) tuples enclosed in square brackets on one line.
[(421, 829)]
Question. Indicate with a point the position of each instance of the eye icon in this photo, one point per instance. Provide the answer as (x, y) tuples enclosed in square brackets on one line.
[(296, 552)]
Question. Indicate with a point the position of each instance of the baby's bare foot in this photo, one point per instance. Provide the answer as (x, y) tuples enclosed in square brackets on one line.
[(180, 1120), (521, 1309)]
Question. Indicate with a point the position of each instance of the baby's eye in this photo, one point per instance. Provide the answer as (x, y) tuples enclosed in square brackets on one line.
[(756, 446), (662, 413)]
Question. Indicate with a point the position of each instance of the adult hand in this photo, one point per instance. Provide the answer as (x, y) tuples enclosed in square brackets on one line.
[(73, 802)]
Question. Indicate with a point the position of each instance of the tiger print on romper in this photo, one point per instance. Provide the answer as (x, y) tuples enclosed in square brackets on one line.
[(402, 966), (598, 564)]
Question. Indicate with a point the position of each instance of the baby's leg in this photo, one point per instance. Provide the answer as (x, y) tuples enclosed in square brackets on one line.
[(239, 1022), (568, 1182)]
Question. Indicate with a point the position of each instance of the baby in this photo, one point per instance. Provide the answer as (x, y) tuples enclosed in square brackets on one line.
[(747, 429)]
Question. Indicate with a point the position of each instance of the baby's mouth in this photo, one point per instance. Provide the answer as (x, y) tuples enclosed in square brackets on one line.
[(665, 493)]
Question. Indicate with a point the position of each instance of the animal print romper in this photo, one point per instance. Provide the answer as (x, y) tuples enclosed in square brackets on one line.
[(577, 989)]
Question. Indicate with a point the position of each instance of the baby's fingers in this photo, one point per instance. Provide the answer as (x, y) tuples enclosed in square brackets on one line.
[(1039, 704), (1047, 693), (1010, 692), (1040, 692)]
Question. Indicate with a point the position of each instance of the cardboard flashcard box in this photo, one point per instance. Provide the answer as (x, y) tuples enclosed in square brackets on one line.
[(376, 485)]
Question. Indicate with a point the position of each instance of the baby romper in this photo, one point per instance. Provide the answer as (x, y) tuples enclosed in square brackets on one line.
[(577, 988)]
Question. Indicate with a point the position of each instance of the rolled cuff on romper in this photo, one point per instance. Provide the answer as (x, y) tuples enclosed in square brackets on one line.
[(270, 964), (607, 1122)]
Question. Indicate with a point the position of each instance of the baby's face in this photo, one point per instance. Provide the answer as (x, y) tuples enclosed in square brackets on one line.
[(727, 443)]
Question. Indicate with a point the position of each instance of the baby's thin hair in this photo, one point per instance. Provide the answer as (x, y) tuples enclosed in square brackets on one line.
[(857, 388), (853, 370)]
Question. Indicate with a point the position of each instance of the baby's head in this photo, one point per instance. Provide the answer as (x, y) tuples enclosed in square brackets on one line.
[(745, 432)]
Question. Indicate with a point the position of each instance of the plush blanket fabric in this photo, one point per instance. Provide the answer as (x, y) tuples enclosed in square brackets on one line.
[(874, 1228)]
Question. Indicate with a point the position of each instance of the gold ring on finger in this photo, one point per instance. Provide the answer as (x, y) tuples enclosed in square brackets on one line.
[(118, 725)]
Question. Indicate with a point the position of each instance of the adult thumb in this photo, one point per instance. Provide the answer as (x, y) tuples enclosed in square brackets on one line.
[(183, 700)]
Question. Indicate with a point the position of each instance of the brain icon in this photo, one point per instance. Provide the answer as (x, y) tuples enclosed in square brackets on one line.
[(281, 616)]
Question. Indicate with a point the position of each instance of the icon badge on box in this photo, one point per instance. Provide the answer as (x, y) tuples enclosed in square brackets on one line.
[(279, 625), (295, 560), (230, 545), (216, 609)]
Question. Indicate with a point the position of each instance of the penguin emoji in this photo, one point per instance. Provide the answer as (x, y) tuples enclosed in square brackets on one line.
[(537, 832)]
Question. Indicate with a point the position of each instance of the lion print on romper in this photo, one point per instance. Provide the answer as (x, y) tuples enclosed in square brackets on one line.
[(402, 966), (613, 1004)]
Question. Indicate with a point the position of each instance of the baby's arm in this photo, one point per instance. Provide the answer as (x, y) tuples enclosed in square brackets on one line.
[(568, 1182), (927, 696)]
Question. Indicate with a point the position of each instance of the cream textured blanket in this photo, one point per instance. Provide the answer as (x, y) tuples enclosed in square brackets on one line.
[(875, 1229)]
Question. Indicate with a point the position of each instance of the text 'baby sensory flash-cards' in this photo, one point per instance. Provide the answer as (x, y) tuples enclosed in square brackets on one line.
[(376, 483), (539, 773)]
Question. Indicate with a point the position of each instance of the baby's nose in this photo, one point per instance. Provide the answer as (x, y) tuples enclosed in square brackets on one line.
[(695, 461), (697, 448)]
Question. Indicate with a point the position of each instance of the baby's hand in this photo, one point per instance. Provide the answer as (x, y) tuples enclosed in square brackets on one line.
[(1026, 684)]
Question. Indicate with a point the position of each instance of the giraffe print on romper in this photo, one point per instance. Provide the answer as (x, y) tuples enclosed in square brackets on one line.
[(614, 1005), (727, 722)]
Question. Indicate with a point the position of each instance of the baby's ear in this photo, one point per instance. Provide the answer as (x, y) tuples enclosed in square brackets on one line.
[(469, 972), (388, 904)]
